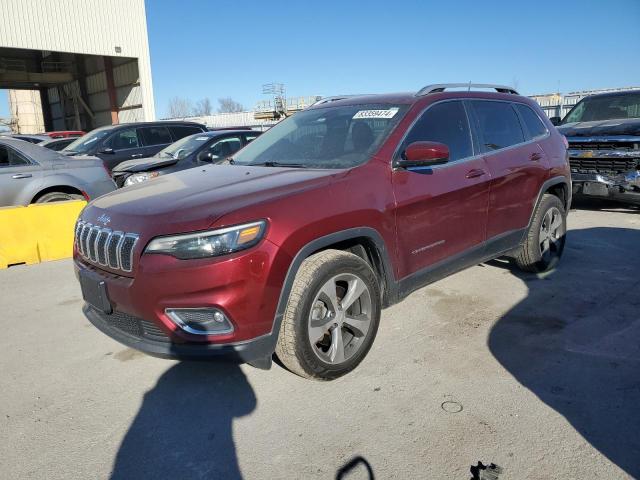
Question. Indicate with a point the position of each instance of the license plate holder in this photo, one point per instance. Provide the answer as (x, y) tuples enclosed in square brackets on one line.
[(94, 291)]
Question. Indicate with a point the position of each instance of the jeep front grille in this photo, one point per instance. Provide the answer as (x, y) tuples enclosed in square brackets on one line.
[(104, 246)]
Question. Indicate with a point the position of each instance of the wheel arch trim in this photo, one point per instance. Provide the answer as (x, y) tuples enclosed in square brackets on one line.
[(552, 182), (326, 241)]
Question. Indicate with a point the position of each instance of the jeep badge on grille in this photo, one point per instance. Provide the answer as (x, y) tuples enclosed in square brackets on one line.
[(104, 219)]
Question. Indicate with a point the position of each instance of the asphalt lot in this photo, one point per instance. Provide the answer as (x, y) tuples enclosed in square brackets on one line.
[(540, 375)]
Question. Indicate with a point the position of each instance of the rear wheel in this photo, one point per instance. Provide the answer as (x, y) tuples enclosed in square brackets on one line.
[(332, 316), (58, 197), (545, 240)]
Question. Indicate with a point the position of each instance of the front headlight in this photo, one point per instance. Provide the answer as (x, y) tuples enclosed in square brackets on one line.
[(209, 244), (139, 178)]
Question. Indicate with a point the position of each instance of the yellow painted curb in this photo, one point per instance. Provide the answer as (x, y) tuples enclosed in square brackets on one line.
[(37, 233)]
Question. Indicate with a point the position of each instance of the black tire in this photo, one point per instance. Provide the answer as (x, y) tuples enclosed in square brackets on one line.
[(58, 197), (294, 348), (531, 257)]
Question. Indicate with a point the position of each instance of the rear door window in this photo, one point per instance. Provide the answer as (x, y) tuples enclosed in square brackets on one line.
[(11, 158), (155, 136), (498, 123), (446, 123), (124, 139), (17, 159), (531, 121), (4, 156), (181, 131)]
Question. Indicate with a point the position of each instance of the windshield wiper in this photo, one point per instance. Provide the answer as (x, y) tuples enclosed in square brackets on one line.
[(277, 164)]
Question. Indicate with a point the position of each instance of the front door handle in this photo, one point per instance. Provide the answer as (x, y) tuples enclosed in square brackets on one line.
[(136, 155), (476, 172), (535, 157), (21, 175)]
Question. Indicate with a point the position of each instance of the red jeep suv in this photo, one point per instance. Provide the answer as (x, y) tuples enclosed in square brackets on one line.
[(296, 244)]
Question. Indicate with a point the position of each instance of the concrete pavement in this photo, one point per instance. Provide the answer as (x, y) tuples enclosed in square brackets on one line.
[(540, 375)]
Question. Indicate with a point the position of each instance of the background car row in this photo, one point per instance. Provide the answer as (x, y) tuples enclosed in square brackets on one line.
[(32, 174), (32, 171)]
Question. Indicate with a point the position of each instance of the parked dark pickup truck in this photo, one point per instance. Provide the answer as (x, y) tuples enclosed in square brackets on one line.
[(604, 146)]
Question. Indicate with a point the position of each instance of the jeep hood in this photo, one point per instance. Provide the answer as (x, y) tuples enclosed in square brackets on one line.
[(194, 199), (143, 164), (602, 128)]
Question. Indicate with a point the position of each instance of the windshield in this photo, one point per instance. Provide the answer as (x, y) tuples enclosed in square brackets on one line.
[(605, 108), (331, 137), (185, 146), (86, 143)]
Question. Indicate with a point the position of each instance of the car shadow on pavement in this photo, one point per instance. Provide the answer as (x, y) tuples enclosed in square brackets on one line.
[(574, 342), (184, 426)]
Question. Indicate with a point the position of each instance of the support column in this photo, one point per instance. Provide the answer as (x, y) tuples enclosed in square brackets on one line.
[(111, 90), (46, 110), (84, 97)]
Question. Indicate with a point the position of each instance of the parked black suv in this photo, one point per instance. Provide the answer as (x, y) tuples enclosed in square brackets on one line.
[(604, 145), (188, 152), (116, 143)]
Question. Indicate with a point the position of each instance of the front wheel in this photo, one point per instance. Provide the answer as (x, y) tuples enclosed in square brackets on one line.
[(332, 316), (546, 237)]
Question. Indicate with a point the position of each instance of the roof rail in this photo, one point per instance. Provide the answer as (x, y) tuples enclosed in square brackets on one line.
[(335, 98), (441, 87)]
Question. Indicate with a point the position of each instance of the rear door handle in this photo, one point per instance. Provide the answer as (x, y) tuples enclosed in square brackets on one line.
[(476, 172), (136, 155), (535, 157), (21, 175)]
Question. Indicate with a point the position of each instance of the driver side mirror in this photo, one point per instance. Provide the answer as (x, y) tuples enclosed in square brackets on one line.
[(107, 150), (207, 157), (555, 121), (204, 157), (424, 154)]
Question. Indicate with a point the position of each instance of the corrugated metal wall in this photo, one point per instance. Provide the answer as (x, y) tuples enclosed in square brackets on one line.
[(128, 96), (89, 27), (238, 119)]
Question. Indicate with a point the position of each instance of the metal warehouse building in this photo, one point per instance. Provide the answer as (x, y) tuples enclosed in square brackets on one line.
[(87, 59)]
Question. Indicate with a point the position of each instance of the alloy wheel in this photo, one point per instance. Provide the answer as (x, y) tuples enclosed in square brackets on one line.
[(340, 318), (551, 236)]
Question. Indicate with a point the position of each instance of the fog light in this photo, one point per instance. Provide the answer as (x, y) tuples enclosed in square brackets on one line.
[(200, 321)]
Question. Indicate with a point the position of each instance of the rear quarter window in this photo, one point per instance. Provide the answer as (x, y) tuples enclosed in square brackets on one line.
[(498, 124), (155, 135), (531, 120), (181, 131)]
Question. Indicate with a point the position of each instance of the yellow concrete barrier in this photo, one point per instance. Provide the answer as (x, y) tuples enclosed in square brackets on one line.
[(37, 233)]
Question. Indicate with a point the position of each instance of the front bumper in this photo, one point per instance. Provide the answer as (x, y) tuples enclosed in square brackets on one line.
[(136, 333), (245, 286), (624, 188)]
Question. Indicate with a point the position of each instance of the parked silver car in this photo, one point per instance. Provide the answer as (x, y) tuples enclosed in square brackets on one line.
[(32, 174)]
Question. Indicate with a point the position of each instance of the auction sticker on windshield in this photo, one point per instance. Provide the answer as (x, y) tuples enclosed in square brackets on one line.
[(376, 113)]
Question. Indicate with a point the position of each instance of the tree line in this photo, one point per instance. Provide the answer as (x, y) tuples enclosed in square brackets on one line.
[(183, 107)]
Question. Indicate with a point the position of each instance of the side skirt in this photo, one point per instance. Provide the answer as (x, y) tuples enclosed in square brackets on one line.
[(488, 250)]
